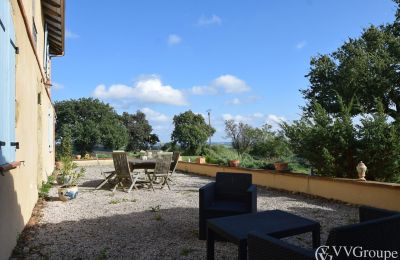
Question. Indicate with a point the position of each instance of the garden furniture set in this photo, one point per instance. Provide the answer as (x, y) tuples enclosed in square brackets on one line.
[(157, 170), (228, 211)]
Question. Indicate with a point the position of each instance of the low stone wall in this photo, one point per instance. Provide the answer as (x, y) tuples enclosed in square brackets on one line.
[(374, 194), (107, 161)]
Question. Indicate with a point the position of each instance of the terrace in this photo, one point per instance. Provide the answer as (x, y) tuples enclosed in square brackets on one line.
[(144, 224)]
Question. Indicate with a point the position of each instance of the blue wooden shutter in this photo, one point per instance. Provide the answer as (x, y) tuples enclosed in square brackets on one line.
[(7, 82)]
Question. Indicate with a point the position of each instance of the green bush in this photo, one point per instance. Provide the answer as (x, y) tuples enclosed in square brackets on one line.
[(333, 145), (219, 154), (45, 188)]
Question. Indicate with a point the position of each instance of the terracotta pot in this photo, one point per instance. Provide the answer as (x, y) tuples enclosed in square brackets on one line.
[(234, 163), (78, 157), (59, 165), (201, 160), (67, 192), (281, 166)]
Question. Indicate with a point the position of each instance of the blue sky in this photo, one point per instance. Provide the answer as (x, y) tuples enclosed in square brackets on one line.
[(244, 60)]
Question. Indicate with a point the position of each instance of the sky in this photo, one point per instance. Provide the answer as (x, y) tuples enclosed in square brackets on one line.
[(242, 60)]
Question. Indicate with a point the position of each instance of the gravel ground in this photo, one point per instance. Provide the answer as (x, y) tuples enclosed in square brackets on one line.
[(163, 224)]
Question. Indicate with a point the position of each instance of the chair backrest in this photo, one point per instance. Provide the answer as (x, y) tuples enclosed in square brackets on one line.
[(121, 164), (174, 163), (382, 234), (232, 186), (163, 163)]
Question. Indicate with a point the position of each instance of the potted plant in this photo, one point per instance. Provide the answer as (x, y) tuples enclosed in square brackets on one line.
[(201, 160), (234, 163), (281, 165), (68, 176)]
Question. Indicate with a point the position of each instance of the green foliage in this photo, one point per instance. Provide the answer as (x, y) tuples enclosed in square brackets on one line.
[(243, 136), (271, 145), (365, 68), (44, 189), (65, 148), (139, 131), (68, 172), (333, 145), (219, 154), (91, 122), (155, 208), (101, 155), (380, 147), (327, 143), (191, 132)]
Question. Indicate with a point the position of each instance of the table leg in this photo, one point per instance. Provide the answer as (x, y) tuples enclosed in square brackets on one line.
[(210, 244), (316, 237), (242, 253)]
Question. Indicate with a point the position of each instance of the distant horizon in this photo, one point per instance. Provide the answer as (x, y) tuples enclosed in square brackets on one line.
[(243, 61)]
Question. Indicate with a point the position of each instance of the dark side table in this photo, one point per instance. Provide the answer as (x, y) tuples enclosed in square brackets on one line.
[(275, 223)]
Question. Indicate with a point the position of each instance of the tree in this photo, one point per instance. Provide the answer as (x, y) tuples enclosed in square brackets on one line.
[(328, 143), (380, 146), (191, 132), (243, 136), (270, 144), (91, 122), (363, 69), (65, 148), (139, 131)]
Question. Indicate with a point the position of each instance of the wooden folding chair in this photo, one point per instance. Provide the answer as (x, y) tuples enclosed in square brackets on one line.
[(122, 171), (108, 176)]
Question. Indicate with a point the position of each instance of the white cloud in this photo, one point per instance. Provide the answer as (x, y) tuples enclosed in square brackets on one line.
[(227, 83), (236, 118), (70, 35), (57, 86), (150, 90), (212, 20), (203, 90), (301, 45), (275, 119), (256, 118), (154, 115), (231, 84), (174, 39), (234, 101)]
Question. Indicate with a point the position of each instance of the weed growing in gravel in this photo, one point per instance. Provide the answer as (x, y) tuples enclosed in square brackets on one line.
[(186, 251), (44, 190), (117, 201), (103, 253), (155, 209), (194, 232), (158, 217)]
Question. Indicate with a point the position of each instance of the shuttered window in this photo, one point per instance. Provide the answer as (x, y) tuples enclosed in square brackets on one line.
[(7, 83)]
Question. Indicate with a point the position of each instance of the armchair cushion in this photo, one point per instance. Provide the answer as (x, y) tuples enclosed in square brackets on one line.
[(232, 186), (228, 206)]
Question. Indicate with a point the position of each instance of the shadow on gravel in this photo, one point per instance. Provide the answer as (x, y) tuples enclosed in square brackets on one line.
[(153, 234)]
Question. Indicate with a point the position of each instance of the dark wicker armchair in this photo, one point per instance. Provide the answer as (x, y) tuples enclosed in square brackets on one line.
[(230, 194), (378, 230)]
